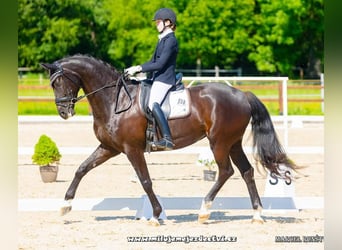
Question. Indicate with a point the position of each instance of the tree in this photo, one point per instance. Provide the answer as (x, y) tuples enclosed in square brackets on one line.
[(311, 41), (214, 32), (134, 34), (259, 36), (52, 29), (285, 33)]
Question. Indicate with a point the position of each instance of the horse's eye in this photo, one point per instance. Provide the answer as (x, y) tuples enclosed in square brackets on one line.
[(57, 84)]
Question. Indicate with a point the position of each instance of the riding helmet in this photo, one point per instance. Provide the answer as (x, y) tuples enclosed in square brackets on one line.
[(165, 13)]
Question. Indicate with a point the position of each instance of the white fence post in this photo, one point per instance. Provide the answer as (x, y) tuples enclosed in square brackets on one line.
[(285, 122)]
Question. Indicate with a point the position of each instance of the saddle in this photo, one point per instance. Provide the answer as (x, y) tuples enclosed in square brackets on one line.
[(175, 105)]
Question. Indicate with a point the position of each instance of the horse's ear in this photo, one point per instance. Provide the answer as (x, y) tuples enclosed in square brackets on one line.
[(48, 66)]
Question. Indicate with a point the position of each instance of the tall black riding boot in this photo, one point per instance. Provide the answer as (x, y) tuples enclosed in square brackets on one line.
[(166, 142)]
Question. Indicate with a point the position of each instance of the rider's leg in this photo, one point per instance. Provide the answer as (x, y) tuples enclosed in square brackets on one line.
[(158, 93), (166, 141)]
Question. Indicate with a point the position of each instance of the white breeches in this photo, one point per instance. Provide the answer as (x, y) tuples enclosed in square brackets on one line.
[(158, 92)]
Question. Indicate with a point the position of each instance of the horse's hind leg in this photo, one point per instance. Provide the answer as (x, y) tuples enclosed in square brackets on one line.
[(225, 171), (99, 156), (247, 172)]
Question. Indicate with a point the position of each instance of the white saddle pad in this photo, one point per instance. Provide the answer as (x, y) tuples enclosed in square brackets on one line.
[(179, 104)]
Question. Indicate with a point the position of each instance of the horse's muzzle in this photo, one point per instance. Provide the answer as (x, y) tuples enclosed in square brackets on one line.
[(66, 112)]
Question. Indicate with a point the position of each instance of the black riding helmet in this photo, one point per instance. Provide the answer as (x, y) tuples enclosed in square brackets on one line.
[(165, 13)]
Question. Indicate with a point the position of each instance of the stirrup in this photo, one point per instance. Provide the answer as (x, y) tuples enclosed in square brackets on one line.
[(163, 144)]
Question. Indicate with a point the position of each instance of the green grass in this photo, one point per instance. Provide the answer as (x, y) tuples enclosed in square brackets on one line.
[(48, 108), (82, 108), (298, 108), (34, 85)]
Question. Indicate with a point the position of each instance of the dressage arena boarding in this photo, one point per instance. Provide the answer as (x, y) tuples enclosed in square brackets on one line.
[(109, 199)]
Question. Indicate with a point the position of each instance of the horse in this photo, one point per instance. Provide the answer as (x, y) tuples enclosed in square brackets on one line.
[(219, 112)]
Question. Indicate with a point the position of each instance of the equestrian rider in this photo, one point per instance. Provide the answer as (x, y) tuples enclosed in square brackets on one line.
[(162, 65)]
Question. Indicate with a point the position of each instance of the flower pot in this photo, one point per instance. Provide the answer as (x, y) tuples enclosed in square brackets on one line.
[(48, 173), (209, 175)]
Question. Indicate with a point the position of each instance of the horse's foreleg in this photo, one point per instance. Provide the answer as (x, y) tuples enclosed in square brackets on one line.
[(225, 171), (139, 163), (247, 172), (99, 156)]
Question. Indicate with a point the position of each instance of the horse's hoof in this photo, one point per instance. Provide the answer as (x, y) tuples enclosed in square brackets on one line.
[(154, 222), (202, 218), (258, 221), (66, 208)]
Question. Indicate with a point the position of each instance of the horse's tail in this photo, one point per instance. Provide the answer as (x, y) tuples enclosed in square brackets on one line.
[(267, 148)]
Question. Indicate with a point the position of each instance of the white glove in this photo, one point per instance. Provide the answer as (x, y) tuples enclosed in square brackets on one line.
[(133, 70)]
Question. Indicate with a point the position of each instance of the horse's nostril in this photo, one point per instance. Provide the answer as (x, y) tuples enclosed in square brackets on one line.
[(63, 115)]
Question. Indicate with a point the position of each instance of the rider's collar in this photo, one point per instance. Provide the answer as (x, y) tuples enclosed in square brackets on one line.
[(165, 33)]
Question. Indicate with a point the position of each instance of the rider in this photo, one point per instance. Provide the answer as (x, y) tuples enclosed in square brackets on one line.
[(162, 65)]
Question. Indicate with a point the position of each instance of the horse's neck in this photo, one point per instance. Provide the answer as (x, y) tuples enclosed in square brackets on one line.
[(107, 101), (100, 102), (96, 75)]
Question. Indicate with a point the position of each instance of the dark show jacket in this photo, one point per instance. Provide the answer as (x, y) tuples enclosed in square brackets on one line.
[(163, 62)]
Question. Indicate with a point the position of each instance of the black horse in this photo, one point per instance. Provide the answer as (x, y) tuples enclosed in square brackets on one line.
[(219, 112)]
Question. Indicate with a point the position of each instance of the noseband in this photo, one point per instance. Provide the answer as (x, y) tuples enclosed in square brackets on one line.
[(70, 100)]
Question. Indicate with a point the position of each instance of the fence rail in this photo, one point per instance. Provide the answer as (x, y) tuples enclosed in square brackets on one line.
[(40, 99), (310, 84)]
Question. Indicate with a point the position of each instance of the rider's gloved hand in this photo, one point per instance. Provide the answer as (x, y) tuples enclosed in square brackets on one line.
[(133, 70)]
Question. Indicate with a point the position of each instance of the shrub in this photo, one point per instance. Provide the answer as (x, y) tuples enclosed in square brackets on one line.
[(210, 164), (45, 152)]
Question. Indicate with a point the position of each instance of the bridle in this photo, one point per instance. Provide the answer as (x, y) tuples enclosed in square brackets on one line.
[(71, 100)]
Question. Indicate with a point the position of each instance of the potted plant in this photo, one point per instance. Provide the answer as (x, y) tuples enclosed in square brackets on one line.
[(209, 174), (46, 156)]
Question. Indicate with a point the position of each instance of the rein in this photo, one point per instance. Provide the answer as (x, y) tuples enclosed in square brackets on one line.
[(73, 100), (122, 78)]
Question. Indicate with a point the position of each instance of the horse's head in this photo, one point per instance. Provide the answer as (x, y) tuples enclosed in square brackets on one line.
[(65, 84)]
